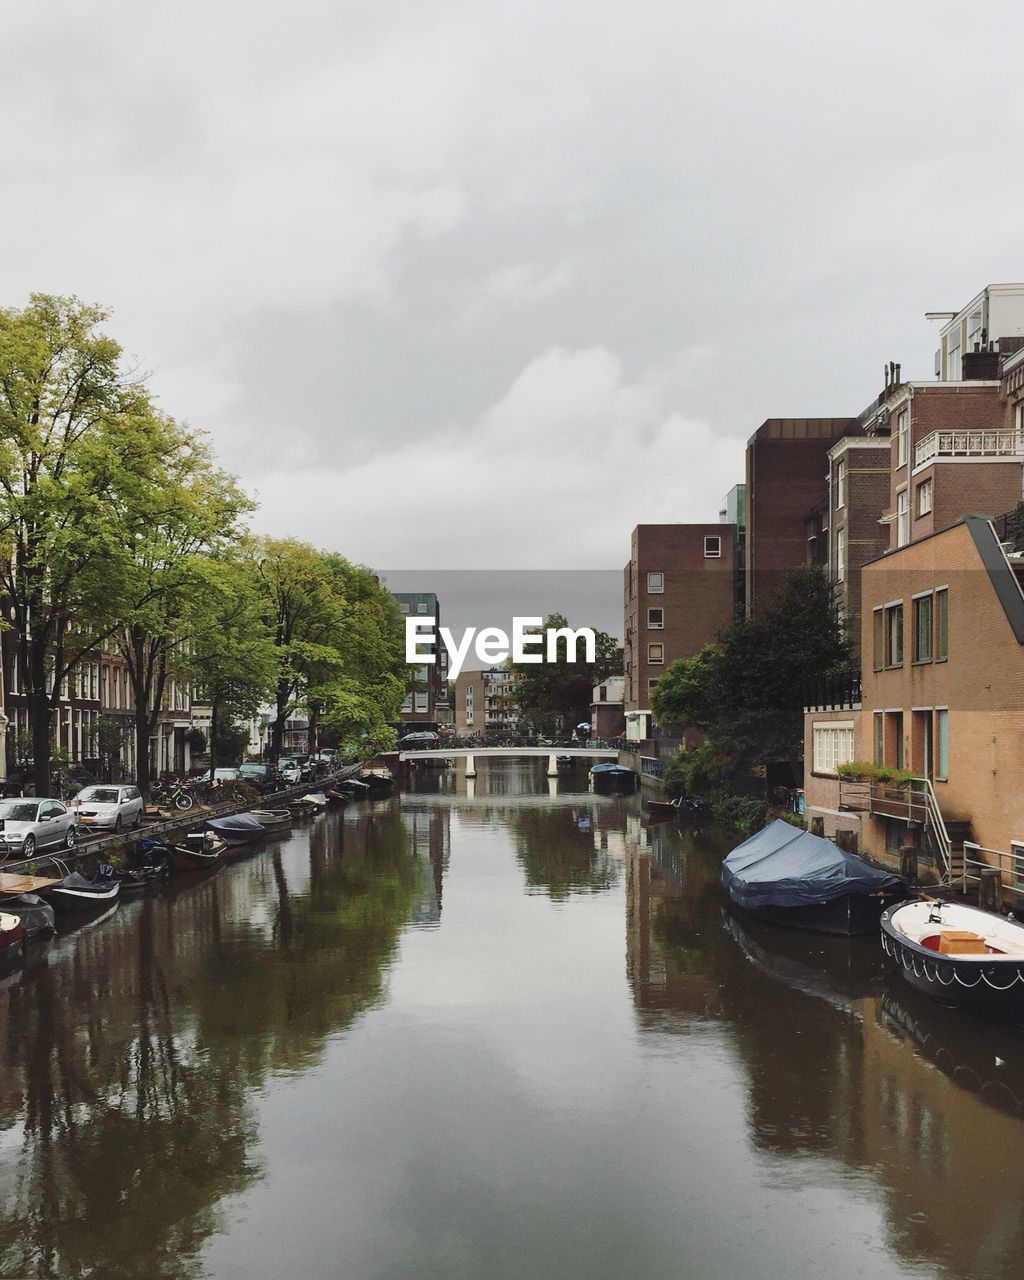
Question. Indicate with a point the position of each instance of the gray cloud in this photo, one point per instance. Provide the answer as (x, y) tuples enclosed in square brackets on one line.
[(423, 270)]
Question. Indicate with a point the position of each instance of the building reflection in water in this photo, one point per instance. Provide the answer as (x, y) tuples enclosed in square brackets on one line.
[(842, 1060)]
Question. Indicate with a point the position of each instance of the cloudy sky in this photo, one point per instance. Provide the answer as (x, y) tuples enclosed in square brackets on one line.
[(460, 284)]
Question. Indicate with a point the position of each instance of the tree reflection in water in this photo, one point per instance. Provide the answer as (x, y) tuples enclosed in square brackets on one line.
[(129, 1059), (568, 850)]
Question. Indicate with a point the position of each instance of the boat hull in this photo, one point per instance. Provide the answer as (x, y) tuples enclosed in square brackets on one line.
[(993, 990), (847, 917), (83, 899)]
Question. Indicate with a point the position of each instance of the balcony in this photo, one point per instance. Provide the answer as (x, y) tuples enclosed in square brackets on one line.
[(1008, 443)]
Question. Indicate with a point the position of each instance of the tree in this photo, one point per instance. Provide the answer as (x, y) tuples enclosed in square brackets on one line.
[(79, 447), (231, 656), (555, 696), (191, 515), (746, 693)]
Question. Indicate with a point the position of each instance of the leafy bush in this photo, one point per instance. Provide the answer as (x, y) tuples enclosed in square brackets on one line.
[(745, 812), (867, 771), (794, 819), (694, 772)]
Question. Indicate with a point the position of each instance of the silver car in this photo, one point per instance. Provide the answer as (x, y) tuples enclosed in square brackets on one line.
[(111, 806), (28, 824)]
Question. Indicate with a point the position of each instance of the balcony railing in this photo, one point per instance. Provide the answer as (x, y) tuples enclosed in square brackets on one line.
[(1007, 443), (839, 692)]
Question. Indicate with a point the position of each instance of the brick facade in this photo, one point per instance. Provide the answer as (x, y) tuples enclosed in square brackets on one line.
[(676, 615)]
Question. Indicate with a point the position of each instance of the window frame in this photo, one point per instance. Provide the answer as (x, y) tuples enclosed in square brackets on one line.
[(841, 554), (940, 744), (653, 661), (894, 615), (655, 626), (924, 629), (927, 485), (902, 437), (825, 763), (902, 516), (840, 483), (940, 611), (653, 590), (715, 538)]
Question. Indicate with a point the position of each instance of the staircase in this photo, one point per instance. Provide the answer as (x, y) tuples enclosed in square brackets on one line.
[(958, 831)]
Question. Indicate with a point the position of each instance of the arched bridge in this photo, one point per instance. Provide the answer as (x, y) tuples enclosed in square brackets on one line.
[(471, 754)]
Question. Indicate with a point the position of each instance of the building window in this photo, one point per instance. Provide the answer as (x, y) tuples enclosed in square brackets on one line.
[(422, 700), (879, 737), (924, 497), (941, 625), (841, 483), (651, 682), (879, 646), (923, 629), (712, 548), (974, 330), (902, 518), (656, 619), (954, 372), (655, 653), (894, 635), (656, 583), (840, 555), (942, 742), (421, 608), (404, 607), (407, 704), (902, 425), (833, 746)]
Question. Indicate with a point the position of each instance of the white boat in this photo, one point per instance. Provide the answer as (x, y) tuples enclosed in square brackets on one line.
[(272, 818)]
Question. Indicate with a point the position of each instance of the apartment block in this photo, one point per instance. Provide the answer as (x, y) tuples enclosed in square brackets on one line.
[(679, 592), (485, 700), (787, 498), (426, 697), (857, 484)]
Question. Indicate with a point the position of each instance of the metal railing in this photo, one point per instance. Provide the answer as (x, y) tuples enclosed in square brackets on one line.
[(841, 691), (913, 802), (969, 444), (1010, 866)]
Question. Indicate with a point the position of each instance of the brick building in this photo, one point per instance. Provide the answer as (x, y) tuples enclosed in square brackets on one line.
[(679, 592), (485, 700), (857, 489), (426, 698), (942, 640), (607, 711), (786, 468)]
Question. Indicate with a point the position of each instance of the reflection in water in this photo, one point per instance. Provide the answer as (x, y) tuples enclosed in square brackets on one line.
[(129, 1059), (842, 1060), (400, 1042)]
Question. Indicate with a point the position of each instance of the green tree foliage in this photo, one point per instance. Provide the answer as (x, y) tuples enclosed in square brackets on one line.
[(339, 640), (556, 696), (746, 693), (80, 450)]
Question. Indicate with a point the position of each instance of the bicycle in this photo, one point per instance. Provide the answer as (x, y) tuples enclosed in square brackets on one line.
[(173, 793)]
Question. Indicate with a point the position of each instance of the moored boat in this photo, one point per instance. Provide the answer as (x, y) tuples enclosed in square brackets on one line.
[(607, 774), (272, 819), (199, 851), (379, 781), (959, 955), (86, 893), (336, 799), (684, 806), (239, 828), (32, 911), (12, 934), (790, 877)]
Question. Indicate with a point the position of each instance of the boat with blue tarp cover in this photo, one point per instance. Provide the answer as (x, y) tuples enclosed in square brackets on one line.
[(791, 877), (238, 828)]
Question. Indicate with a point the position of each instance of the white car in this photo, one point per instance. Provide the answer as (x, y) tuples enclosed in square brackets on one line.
[(113, 807), (28, 824)]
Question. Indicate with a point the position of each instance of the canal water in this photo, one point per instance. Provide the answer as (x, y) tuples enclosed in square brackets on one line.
[(492, 1029)]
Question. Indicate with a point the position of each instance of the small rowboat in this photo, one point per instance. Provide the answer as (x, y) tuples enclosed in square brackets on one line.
[(12, 934), (200, 852), (86, 893), (273, 818), (336, 799), (315, 799), (239, 828), (959, 955)]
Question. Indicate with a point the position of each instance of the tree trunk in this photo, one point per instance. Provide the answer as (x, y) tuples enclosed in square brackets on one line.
[(277, 729), (213, 739), (314, 724), (40, 714), (143, 726)]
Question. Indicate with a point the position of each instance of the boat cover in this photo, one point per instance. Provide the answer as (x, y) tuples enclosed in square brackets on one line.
[(97, 884), (609, 768), (235, 825), (783, 866), (32, 911)]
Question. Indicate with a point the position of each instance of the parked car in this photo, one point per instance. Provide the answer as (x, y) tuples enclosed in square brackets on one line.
[(227, 774), (102, 806), (327, 756), (291, 771), (264, 777), (28, 824), (421, 738)]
